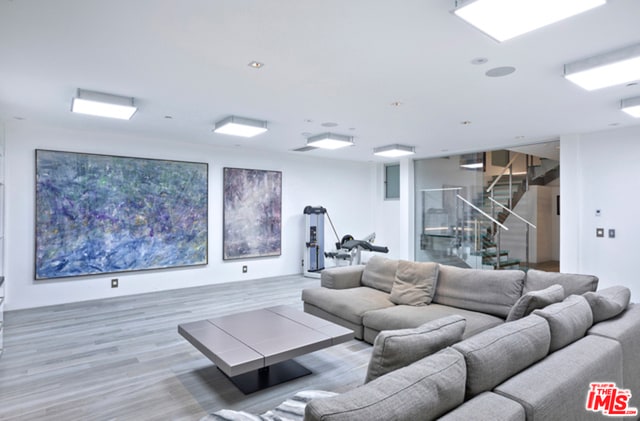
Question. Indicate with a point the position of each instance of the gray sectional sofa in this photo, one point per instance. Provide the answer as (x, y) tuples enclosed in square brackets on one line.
[(464, 344)]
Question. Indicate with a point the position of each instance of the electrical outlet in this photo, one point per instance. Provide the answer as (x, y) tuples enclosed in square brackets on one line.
[(244, 269), (599, 232), (114, 283)]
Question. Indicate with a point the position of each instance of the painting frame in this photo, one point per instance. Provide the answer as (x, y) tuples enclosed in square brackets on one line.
[(98, 214), (252, 213)]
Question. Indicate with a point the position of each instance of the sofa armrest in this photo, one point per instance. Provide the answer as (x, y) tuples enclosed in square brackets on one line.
[(342, 277)]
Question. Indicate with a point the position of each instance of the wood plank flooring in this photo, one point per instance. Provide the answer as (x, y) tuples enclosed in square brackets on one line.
[(122, 358)]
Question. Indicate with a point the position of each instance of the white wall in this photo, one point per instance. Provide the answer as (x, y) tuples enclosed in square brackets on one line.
[(344, 188), (600, 171)]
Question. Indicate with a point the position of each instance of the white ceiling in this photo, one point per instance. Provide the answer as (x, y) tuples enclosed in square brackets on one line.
[(329, 61)]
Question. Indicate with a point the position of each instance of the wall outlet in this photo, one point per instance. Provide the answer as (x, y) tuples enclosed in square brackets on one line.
[(114, 283), (599, 232), (244, 269)]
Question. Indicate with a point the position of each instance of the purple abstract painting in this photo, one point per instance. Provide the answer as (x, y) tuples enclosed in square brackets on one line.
[(252, 213), (99, 214)]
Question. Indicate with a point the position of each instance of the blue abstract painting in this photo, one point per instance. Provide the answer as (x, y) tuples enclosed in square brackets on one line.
[(99, 214), (252, 213)]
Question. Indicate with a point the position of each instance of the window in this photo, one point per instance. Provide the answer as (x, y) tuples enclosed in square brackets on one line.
[(392, 181)]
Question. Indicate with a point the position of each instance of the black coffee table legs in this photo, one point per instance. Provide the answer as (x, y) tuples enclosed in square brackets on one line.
[(269, 376)]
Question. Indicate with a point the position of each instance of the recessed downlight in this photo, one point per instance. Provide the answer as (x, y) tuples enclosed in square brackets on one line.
[(329, 124), (479, 60), (255, 65)]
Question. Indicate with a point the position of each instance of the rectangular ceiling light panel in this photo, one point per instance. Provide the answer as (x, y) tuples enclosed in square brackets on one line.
[(103, 105), (330, 141), (506, 19), (610, 69), (240, 126), (631, 106), (394, 151)]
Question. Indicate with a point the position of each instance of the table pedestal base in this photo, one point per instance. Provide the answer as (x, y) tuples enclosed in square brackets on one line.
[(254, 381)]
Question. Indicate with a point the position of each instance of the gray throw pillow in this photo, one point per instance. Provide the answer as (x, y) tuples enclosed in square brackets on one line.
[(534, 300), (608, 303), (415, 283), (379, 273), (393, 349), (568, 320), (572, 283)]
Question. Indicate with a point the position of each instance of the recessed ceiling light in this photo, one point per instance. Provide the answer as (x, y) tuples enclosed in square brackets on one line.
[(330, 141), (240, 126), (256, 65), (506, 19), (396, 104), (519, 137), (479, 60), (329, 124), (168, 117), (500, 71), (465, 122)]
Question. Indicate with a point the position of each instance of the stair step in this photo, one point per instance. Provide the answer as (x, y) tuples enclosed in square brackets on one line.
[(506, 263), (485, 253)]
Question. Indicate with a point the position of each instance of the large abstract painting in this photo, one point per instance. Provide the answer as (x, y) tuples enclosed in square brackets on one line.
[(252, 213), (100, 214)]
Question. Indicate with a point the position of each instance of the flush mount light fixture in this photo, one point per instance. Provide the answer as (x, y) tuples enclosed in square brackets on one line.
[(631, 106), (614, 68), (240, 126), (506, 19), (103, 105), (394, 151), (330, 141)]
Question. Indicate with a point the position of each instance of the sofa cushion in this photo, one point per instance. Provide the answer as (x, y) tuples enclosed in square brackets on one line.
[(534, 300), (394, 349), (400, 317), (487, 406), (557, 387), (379, 273), (608, 302), (423, 390), (572, 283), (568, 320), (498, 353), (487, 291), (414, 283), (349, 304), (342, 277)]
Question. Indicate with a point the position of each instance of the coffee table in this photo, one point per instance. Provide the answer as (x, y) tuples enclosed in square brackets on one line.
[(255, 348)]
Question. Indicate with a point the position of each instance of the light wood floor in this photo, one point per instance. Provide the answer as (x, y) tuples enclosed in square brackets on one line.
[(122, 358)]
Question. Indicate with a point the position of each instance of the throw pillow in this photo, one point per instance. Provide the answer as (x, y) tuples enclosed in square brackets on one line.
[(608, 303), (572, 283), (534, 300), (568, 320), (393, 349), (415, 283), (379, 273)]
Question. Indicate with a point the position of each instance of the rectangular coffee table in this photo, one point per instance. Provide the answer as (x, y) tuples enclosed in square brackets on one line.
[(255, 348)]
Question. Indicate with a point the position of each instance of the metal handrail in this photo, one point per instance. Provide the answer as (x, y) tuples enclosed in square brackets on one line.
[(482, 212), (503, 172), (512, 212)]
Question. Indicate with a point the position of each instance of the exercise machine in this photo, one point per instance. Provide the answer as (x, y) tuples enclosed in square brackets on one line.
[(351, 249), (313, 261)]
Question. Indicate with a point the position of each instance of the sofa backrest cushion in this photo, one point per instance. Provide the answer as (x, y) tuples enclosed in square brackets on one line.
[(608, 302), (487, 291), (379, 273), (572, 283), (394, 349), (424, 390), (494, 355), (414, 283), (568, 320), (534, 300)]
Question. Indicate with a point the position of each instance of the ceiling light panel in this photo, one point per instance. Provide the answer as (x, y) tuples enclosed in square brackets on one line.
[(330, 141), (394, 151), (631, 106), (610, 69), (240, 126), (103, 105), (506, 19)]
